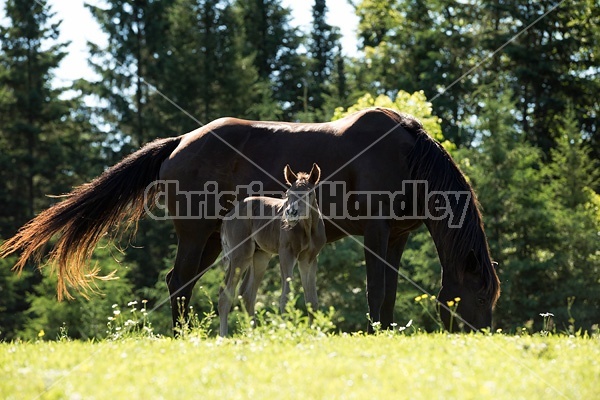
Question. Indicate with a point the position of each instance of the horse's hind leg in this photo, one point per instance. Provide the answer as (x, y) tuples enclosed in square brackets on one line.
[(253, 280), (196, 252)]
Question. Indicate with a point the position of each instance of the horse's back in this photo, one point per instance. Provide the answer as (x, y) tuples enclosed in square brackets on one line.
[(366, 151)]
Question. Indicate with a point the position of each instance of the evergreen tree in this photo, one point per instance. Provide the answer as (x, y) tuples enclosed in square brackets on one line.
[(206, 70), (47, 144), (541, 231), (323, 49), (571, 176), (136, 33), (413, 45), (31, 107), (131, 67), (274, 45), (551, 64)]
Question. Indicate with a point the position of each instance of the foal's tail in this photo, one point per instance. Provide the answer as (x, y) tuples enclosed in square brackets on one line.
[(87, 213)]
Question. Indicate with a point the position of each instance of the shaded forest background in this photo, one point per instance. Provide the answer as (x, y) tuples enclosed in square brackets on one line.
[(518, 110)]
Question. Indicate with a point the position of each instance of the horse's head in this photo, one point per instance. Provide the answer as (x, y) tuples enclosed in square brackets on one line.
[(300, 196), (472, 296)]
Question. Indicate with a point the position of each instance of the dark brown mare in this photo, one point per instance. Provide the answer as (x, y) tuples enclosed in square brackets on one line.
[(258, 228), (371, 151)]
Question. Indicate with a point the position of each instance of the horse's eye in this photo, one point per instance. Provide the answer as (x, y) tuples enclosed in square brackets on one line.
[(481, 301)]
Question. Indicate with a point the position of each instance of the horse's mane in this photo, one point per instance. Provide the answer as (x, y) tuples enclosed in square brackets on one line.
[(429, 161)]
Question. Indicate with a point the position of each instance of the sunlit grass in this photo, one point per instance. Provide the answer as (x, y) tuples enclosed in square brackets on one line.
[(271, 365)]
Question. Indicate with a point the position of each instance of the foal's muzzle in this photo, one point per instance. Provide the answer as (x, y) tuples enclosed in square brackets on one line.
[(291, 214)]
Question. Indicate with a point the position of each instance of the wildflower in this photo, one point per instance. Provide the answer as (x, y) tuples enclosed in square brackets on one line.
[(144, 301), (457, 299), (131, 303), (432, 297), (546, 315), (41, 333), (116, 312), (409, 323), (115, 305), (450, 303), (418, 299)]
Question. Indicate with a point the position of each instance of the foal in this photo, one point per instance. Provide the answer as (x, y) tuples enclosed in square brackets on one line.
[(259, 227)]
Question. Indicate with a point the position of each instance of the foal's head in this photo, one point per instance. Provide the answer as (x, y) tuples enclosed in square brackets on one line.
[(300, 197)]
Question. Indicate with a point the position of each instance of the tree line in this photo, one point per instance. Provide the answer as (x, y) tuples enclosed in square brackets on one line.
[(509, 89)]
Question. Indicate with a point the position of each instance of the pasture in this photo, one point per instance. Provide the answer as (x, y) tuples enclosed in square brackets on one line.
[(302, 364)]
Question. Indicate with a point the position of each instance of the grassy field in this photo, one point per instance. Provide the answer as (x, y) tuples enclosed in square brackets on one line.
[(305, 366)]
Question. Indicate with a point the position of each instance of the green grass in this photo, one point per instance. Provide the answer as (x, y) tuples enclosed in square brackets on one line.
[(306, 366)]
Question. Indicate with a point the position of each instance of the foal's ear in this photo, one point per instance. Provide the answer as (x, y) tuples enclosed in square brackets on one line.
[(290, 176), (315, 174)]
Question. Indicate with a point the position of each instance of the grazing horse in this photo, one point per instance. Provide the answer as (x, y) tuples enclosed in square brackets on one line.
[(259, 227), (388, 177)]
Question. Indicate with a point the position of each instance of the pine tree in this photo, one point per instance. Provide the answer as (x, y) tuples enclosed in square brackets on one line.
[(551, 64), (274, 45), (131, 68), (136, 33), (47, 144), (323, 48), (32, 104), (571, 176), (416, 45)]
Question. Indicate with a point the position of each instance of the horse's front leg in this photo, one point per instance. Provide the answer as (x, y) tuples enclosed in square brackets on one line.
[(377, 234), (287, 261), (394, 254)]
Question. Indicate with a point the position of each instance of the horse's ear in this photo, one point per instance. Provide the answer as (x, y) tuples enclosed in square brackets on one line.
[(315, 174), (290, 176), (495, 265)]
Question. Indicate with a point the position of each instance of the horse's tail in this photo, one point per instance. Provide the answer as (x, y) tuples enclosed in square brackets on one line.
[(87, 213)]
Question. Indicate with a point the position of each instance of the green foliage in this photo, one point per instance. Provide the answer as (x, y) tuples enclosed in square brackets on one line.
[(415, 104), (541, 231), (83, 318), (525, 124)]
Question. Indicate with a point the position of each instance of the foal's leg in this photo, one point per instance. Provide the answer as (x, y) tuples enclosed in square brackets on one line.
[(239, 261), (308, 275), (253, 280), (287, 260)]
